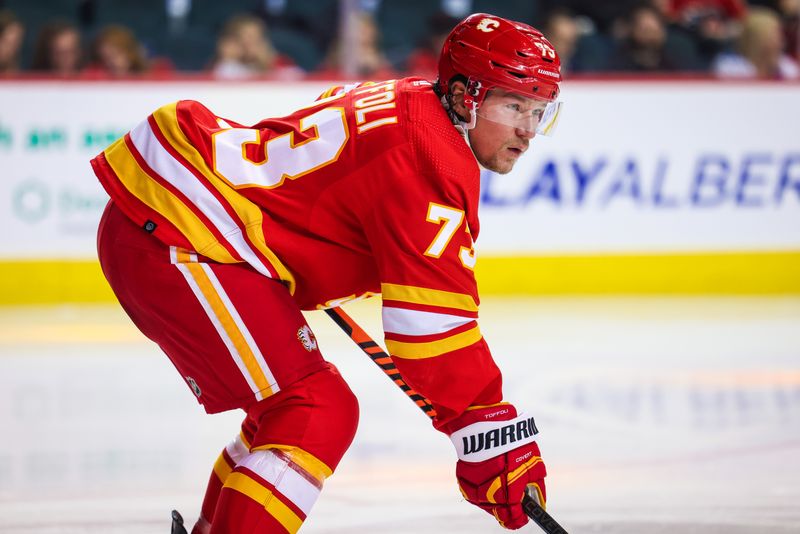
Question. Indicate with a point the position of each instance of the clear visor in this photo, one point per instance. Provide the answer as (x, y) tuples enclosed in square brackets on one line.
[(529, 114)]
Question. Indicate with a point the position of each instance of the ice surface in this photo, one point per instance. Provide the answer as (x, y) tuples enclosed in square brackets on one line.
[(657, 415)]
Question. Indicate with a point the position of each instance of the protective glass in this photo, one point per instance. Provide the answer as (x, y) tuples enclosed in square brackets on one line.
[(529, 114)]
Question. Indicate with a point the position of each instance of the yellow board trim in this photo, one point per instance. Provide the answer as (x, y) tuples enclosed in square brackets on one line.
[(52, 281), (417, 351), (430, 297), (57, 281), (723, 273), (272, 504)]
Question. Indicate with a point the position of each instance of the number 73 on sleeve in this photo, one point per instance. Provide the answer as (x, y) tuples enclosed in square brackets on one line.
[(449, 221)]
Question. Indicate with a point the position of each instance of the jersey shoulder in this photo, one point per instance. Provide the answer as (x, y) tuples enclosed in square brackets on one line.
[(439, 148)]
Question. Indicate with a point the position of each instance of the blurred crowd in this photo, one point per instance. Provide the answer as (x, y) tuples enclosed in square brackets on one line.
[(292, 40)]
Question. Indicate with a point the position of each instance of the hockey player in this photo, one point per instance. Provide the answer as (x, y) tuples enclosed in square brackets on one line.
[(218, 234)]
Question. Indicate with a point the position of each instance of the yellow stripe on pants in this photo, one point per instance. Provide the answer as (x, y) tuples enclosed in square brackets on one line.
[(243, 352)]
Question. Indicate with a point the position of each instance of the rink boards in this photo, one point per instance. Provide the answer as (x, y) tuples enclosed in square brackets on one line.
[(648, 187)]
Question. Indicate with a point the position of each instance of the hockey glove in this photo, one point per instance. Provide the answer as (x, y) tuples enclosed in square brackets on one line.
[(498, 461)]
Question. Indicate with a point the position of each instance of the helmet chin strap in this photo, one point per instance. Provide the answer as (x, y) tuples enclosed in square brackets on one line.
[(472, 96), (463, 127), (473, 115)]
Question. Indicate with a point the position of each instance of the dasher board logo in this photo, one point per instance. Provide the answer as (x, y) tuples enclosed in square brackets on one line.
[(306, 337)]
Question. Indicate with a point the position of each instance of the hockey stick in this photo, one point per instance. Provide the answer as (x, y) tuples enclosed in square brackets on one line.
[(532, 509), (177, 524)]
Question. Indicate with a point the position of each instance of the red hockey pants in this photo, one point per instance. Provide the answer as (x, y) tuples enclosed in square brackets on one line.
[(239, 341)]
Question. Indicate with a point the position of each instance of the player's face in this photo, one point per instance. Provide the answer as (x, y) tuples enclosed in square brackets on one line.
[(505, 125)]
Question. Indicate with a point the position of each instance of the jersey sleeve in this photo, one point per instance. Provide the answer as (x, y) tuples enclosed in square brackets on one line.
[(421, 237)]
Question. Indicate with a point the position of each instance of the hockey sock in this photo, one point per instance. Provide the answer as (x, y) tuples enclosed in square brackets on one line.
[(230, 455), (267, 492)]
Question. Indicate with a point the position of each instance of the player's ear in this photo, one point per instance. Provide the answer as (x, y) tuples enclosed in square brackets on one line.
[(457, 91)]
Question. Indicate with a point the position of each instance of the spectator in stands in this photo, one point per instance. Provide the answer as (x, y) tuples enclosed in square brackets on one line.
[(11, 33), (600, 16), (759, 51), (117, 53), (790, 15), (227, 62), (371, 63), (645, 45), (712, 24), (561, 29), (58, 49), (789, 12), (244, 51), (424, 60)]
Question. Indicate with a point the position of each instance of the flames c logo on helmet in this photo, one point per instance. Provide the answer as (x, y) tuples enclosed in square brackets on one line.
[(488, 25)]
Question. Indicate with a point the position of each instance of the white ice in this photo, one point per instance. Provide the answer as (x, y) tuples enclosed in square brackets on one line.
[(657, 415)]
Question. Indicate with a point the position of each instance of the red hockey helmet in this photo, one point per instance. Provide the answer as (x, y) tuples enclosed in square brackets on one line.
[(495, 52)]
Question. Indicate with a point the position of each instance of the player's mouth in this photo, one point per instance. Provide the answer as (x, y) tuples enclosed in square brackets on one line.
[(517, 151)]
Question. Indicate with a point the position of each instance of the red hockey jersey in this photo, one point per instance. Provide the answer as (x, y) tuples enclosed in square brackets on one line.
[(370, 190)]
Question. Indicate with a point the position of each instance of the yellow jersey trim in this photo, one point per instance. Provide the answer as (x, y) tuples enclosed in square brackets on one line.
[(430, 297), (430, 349), (251, 215), (162, 200)]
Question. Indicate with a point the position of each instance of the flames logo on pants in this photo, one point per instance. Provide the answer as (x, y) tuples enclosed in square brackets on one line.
[(306, 337)]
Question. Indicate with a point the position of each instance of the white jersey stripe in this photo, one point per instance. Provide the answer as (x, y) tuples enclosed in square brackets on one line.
[(237, 450), (262, 363), (220, 329), (162, 162), (419, 323), (277, 471)]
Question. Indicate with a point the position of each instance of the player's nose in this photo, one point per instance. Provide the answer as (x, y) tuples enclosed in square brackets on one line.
[(525, 133)]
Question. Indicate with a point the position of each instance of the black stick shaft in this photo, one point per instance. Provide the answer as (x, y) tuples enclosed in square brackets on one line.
[(532, 509)]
